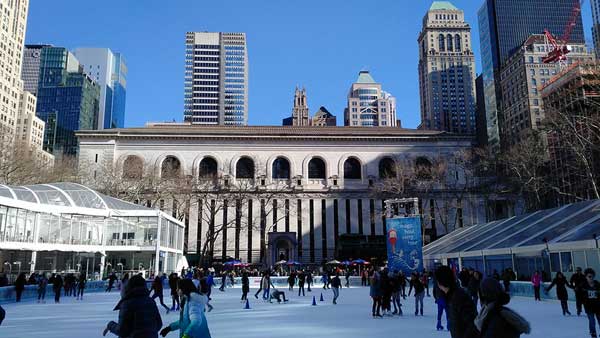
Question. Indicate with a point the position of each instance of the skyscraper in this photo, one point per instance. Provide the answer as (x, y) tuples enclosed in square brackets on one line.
[(596, 26), (447, 70), (369, 105), (504, 25), (216, 79), (14, 23), (31, 67), (109, 71), (67, 100), (300, 111)]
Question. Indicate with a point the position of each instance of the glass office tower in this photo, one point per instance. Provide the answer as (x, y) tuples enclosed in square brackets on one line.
[(68, 100), (504, 25)]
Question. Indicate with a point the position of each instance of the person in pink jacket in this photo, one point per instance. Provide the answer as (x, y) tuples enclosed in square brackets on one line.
[(536, 281)]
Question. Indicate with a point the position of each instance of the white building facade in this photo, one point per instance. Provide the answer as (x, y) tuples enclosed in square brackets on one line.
[(326, 180)]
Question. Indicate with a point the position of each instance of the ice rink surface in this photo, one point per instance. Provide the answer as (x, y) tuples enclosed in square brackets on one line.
[(295, 319)]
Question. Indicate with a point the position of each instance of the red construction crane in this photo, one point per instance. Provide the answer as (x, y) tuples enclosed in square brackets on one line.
[(559, 48)]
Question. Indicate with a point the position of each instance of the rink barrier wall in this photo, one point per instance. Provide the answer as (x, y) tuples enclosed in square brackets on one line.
[(8, 294)]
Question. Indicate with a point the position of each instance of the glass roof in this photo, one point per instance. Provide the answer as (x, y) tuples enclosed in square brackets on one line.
[(573, 222), (66, 194)]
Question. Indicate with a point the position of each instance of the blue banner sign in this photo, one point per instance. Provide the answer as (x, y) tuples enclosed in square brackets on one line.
[(404, 244)]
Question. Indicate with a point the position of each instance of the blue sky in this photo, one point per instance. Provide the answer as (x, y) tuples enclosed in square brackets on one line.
[(321, 45)]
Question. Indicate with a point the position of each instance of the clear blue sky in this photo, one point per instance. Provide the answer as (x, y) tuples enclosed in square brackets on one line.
[(317, 44)]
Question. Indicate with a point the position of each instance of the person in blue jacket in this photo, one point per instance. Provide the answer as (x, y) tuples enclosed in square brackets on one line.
[(192, 321)]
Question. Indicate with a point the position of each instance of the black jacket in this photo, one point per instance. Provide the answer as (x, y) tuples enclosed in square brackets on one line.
[(461, 313), (591, 297), (576, 282), (336, 282), (502, 322), (474, 287), (561, 288), (138, 316)]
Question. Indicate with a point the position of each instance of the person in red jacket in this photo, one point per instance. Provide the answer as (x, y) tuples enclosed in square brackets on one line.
[(536, 281)]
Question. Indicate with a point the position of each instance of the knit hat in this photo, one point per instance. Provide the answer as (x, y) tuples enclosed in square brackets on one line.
[(491, 291)]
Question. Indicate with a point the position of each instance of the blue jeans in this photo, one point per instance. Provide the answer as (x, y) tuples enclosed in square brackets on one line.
[(592, 317), (265, 294), (441, 308)]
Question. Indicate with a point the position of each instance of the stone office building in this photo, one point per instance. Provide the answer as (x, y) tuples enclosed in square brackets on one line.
[(329, 176)]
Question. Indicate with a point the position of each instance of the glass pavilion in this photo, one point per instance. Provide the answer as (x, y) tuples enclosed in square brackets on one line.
[(552, 240), (69, 227)]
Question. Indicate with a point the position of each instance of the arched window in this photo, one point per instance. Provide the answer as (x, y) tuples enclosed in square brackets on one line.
[(244, 168), (449, 42), (316, 169), (133, 167), (457, 43), (281, 169), (423, 168), (442, 44), (387, 168), (170, 168), (352, 169), (208, 168)]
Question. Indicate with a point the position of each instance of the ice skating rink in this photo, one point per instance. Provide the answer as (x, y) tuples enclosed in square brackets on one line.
[(295, 319)]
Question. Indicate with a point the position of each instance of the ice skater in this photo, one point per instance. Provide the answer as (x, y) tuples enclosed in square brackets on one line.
[(138, 314), (192, 322), (245, 286), (577, 281), (301, 281), (395, 280), (325, 280), (20, 285), (348, 278), (276, 294), (591, 299), (42, 285), (292, 281), (173, 279), (111, 282), (375, 293), (223, 282), (336, 284), (81, 286), (561, 292), (57, 285), (157, 286), (417, 285), (442, 306)]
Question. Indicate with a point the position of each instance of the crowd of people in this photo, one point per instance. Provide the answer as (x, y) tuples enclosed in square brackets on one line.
[(474, 305)]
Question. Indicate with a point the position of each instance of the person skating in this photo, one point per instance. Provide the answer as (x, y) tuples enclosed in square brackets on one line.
[(245, 286), (561, 292), (403, 283), (20, 285), (425, 281), (301, 282), (223, 282), (375, 293), (80, 286), (576, 282), (417, 285), (473, 288), (192, 322), (495, 320), (68, 284), (157, 287), (173, 278), (325, 280), (138, 314), (336, 284), (590, 290), (291, 281), (507, 277), (536, 282), (464, 277), (260, 285), (348, 278), (276, 294), (363, 278), (111, 282), (57, 285), (395, 281), (386, 292), (42, 285), (309, 280), (442, 306), (460, 306), (204, 288)]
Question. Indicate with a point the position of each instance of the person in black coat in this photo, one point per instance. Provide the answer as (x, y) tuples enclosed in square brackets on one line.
[(576, 282), (20, 285), (245, 286), (495, 320), (138, 313), (173, 279), (561, 291), (590, 291), (157, 287), (473, 287), (461, 309), (57, 285)]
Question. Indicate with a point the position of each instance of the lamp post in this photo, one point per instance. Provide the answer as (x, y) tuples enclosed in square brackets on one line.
[(7, 263), (545, 240), (120, 265)]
